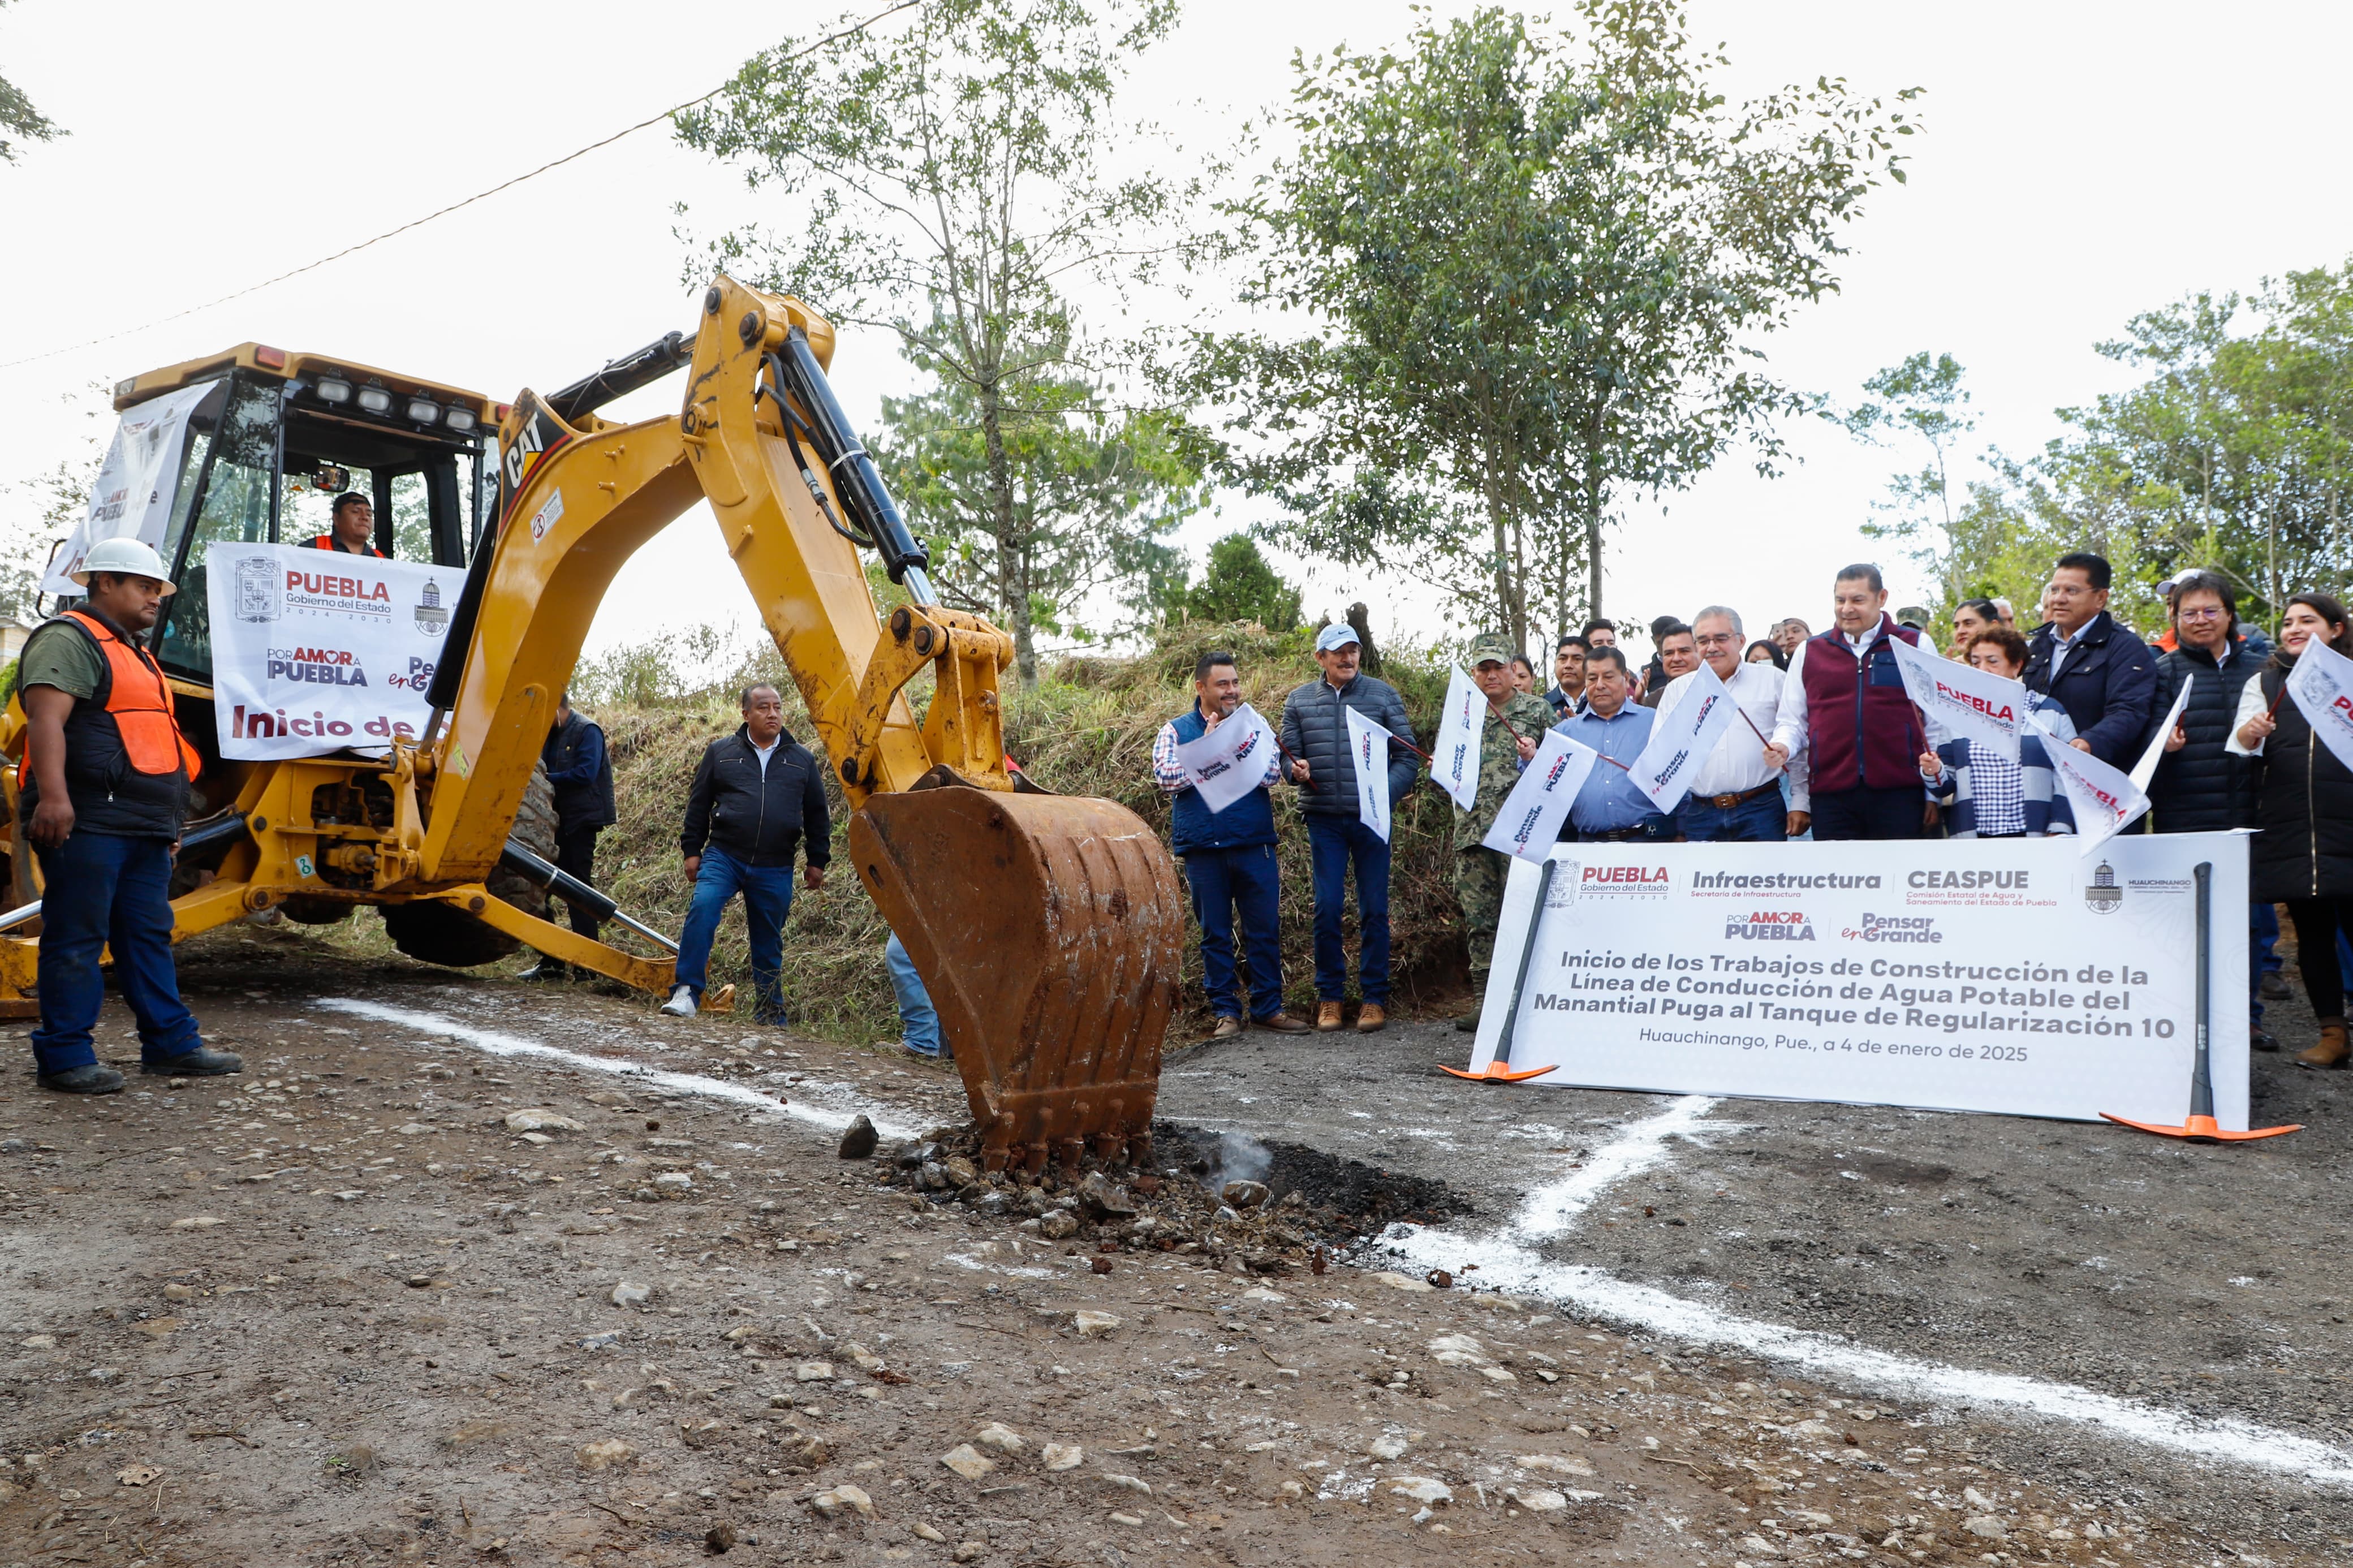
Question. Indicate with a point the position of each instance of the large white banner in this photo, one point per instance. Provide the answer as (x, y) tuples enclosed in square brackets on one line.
[(1368, 748), (1229, 762), (1963, 700), (132, 497), (1530, 818), (315, 650), (1986, 974), (1683, 739), (1454, 754), (2322, 685)]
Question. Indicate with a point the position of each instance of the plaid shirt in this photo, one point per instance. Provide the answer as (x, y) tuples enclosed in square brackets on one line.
[(1992, 796), (1170, 774)]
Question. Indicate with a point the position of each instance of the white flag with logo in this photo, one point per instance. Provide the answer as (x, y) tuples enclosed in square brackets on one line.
[(1229, 762), (1454, 754), (2153, 753), (1682, 740), (132, 497), (1961, 699), (1529, 824), (2106, 800), (2322, 685), (1368, 749)]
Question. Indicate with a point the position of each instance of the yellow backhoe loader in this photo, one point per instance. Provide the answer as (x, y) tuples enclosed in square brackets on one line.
[(1047, 928)]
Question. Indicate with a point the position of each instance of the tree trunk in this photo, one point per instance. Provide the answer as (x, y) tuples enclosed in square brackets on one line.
[(1012, 549)]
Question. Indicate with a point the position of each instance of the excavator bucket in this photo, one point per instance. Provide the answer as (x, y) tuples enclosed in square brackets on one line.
[(1048, 930)]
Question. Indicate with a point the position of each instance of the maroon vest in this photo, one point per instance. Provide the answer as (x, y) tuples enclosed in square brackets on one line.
[(1861, 727)]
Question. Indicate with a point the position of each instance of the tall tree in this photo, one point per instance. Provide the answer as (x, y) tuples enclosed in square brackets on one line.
[(1242, 585), (1921, 398), (962, 165), (1528, 275), (1088, 503)]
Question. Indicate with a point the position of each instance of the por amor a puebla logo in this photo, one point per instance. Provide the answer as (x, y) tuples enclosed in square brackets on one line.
[(1771, 925)]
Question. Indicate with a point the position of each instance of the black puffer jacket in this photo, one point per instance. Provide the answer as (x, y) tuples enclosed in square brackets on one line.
[(2202, 788), (1314, 728), (2304, 805), (759, 816)]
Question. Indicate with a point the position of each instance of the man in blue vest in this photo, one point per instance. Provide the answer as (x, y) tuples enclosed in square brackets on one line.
[(1228, 860), (580, 776)]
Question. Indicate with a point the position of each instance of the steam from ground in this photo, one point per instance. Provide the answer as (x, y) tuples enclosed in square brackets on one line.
[(1239, 1158)]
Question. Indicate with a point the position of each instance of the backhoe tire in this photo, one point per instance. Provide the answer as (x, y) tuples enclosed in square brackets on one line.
[(438, 933), (316, 911)]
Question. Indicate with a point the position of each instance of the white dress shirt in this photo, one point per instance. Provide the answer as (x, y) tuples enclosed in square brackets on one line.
[(1738, 764), (1790, 732), (2252, 704)]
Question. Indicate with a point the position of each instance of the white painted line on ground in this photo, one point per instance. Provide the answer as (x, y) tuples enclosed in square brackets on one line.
[(1507, 1265), (1551, 1209), (498, 1045)]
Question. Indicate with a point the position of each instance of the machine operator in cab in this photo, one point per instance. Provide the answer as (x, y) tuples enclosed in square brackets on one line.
[(351, 526), (104, 790)]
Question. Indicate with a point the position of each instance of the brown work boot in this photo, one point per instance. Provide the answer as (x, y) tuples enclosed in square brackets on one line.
[(2332, 1050), (1281, 1024), (1327, 1017), (1371, 1019), (1228, 1028)]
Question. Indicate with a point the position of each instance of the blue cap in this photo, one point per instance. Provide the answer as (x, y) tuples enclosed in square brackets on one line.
[(1339, 634)]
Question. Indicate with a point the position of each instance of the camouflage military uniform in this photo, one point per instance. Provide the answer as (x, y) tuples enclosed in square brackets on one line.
[(1479, 872)]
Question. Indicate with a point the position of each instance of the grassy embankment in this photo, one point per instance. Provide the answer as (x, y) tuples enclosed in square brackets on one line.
[(1087, 730)]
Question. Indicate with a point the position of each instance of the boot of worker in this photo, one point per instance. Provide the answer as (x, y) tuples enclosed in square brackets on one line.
[(202, 1062), (1327, 1017), (547, 969), (1372, 1018), (1469, 1021), (91, 1077), (2333, 1049)]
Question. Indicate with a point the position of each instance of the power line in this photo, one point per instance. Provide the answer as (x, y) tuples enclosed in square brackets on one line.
[(453, 207)]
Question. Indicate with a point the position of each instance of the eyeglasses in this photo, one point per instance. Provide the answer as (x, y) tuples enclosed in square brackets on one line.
[(2204, 613), (1725, 640)]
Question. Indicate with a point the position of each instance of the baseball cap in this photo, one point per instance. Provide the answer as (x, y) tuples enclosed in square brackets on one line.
[(126, 557), (1489, 646), (1339, 634)]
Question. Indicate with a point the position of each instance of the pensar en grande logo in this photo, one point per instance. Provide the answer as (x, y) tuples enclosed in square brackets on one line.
[(1771, 925)]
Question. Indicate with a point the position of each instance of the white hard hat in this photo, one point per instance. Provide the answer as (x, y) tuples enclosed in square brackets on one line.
[(127, 557)]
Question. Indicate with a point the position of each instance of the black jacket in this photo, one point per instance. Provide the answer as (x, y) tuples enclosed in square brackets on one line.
[(2304, 805), (757, 818), (2107, 685), (1317, 733), (580, 775), (2202, 788)]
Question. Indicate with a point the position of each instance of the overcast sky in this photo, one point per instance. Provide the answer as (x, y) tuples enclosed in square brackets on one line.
[(2081, 162)]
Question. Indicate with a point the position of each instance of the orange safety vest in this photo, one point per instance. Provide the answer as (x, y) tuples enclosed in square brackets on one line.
[(140, 702), (327, 542)]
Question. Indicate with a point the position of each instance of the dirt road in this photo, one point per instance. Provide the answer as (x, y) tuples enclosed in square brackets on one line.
[(463, 1272)]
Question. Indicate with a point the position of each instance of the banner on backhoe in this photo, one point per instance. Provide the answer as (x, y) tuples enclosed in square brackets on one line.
[(132, 497), (316, 650), (1968, 974)]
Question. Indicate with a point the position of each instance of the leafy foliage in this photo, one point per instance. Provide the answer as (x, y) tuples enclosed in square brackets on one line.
[(18, 117), (1527, 276), (960, 164), (1242, 586)]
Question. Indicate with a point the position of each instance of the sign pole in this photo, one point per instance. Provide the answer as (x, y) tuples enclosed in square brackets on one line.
[(1500, 1069), (2199, 1127)]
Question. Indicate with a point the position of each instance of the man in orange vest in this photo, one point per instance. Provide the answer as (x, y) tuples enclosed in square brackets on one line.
[(351, 526), (103, 789)]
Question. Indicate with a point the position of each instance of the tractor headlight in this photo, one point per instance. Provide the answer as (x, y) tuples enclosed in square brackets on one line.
[(459, 419), (374, 399), (333, 389), (423, 410)]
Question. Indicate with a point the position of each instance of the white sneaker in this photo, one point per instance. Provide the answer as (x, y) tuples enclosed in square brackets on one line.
[(681, 1003)]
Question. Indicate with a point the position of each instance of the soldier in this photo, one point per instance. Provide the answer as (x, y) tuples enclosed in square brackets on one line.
[(1516, 724)]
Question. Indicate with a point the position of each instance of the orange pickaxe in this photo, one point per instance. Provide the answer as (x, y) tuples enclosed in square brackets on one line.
[(2200, 1126)]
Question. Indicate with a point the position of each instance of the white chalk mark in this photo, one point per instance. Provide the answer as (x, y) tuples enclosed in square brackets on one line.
[(1507, 1265), (1551, 1209), (498, 1045)]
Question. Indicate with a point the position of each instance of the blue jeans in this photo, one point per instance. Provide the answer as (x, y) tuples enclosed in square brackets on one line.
[(1336, 843), (919, 1021), (768, 897), (1222, 880), (1761, 820), (105, 890)]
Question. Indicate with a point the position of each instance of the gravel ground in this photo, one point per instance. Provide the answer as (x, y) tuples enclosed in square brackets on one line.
[(347, 1309)]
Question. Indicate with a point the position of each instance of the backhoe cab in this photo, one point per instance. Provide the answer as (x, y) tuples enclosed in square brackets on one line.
[(1047, 928)]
